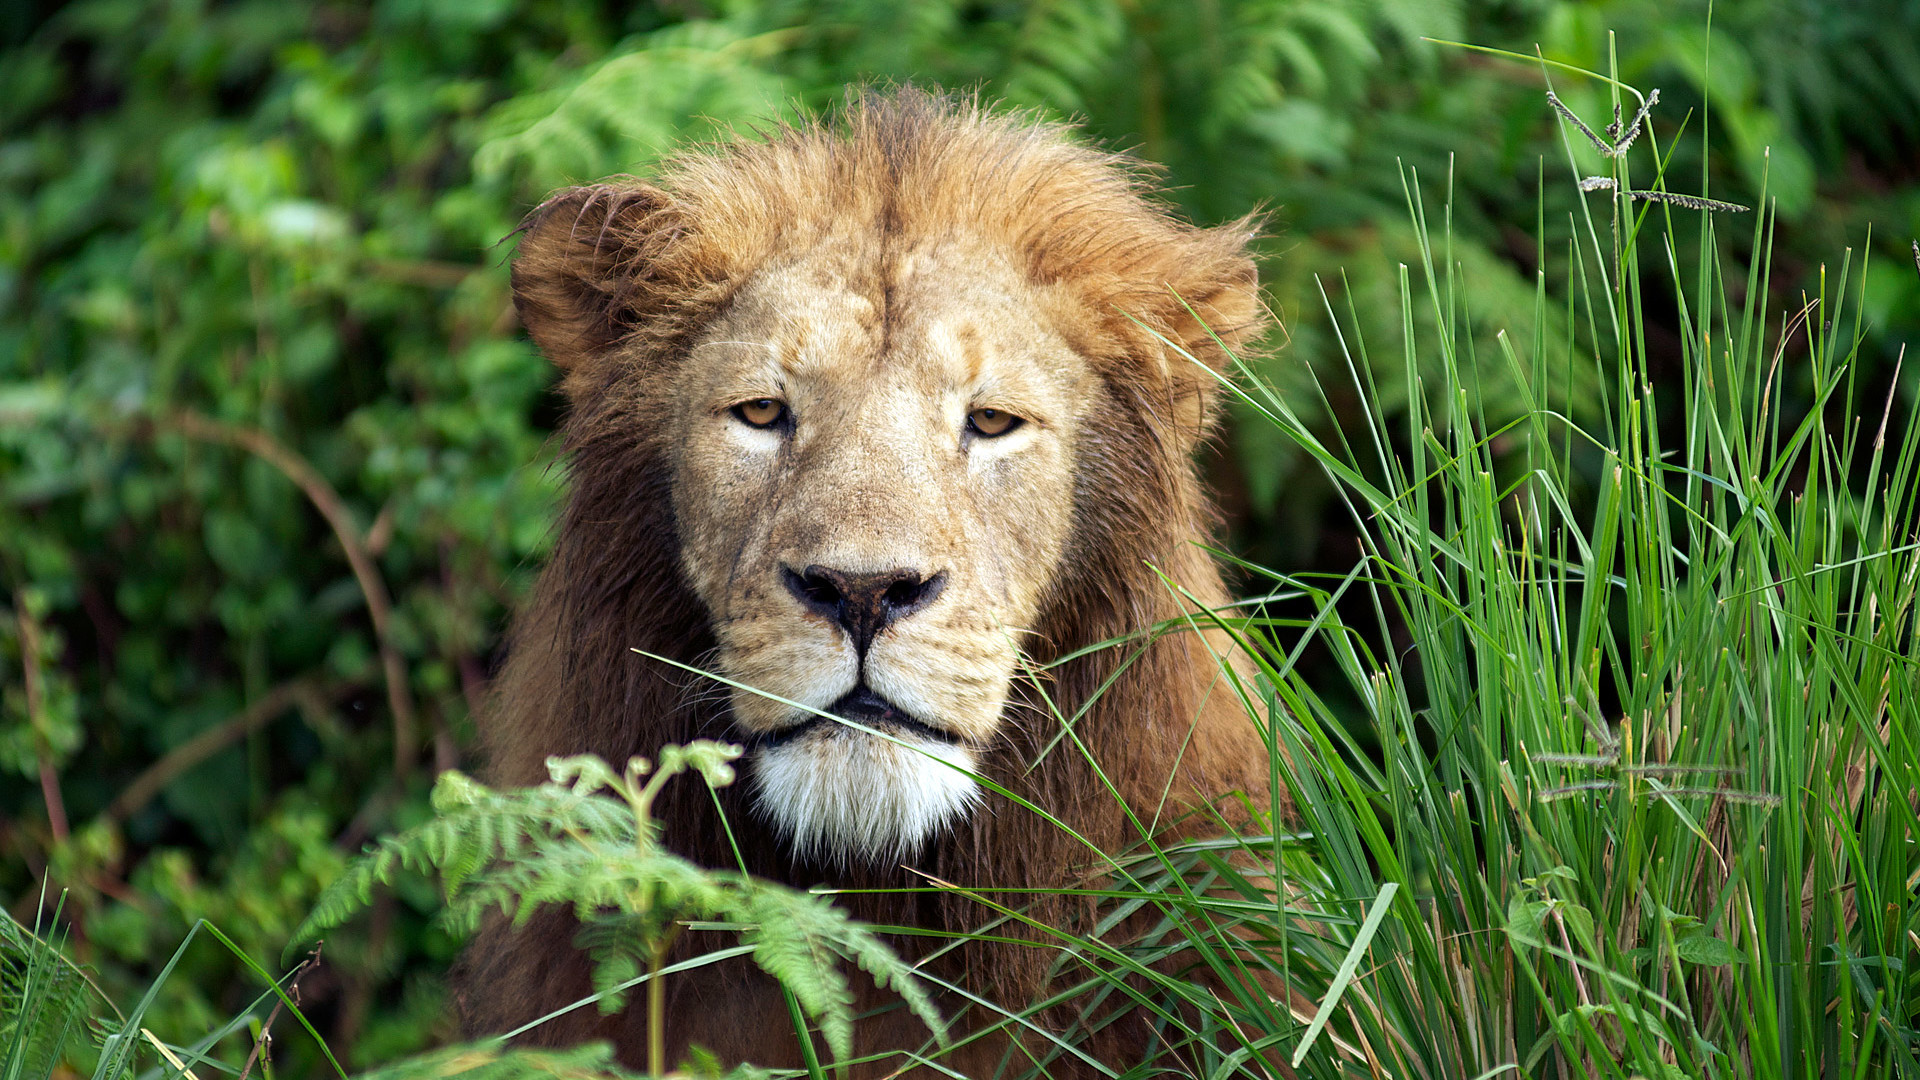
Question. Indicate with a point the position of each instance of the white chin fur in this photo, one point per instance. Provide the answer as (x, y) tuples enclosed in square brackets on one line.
[(842, 796)]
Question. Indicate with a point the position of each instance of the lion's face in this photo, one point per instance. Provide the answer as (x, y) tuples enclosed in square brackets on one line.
[(918, 384), (873, 481)]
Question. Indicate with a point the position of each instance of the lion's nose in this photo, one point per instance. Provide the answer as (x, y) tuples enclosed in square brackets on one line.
[(863, 604)]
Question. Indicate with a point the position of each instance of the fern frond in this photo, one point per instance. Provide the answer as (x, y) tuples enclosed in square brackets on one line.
[(585, 774), (590, 880), (618, 945), (889, 972), (584, 840), (45, 1004), (626, 111), (799, 939), (802, 940), (1064, 46), (475, 828)]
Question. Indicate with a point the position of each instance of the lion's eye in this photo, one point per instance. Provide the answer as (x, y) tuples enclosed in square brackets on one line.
[(990, 423), (761, 412)]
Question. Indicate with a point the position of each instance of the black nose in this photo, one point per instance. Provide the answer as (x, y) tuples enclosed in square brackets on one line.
[(863, 604)]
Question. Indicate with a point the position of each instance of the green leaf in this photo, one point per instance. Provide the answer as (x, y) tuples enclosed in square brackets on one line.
[(1524, 918), (1707, 950)]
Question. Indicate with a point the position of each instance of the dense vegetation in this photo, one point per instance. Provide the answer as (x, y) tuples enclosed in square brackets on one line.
[(274, 467)]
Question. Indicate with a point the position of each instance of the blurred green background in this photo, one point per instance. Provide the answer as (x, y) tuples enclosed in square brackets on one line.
[(275, 459)]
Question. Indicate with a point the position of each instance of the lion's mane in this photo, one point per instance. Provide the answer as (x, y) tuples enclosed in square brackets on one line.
[(617, 279)]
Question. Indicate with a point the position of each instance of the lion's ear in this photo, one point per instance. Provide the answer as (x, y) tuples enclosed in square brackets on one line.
[(580, 275), (1211, 310), (1218, 307)]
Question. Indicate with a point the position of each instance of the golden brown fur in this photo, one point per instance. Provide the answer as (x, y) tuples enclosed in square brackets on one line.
[(621, 285)]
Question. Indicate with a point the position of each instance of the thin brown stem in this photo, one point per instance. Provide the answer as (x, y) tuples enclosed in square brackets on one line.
[(1567, 941), (352, 541), (50, 794), (37, 720), (261, 1044)]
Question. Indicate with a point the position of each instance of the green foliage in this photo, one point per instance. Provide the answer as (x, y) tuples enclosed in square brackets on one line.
[(566, 843), (47, 1001), (635, 106)]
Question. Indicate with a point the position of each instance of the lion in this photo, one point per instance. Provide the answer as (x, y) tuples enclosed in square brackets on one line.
[(889, 416)]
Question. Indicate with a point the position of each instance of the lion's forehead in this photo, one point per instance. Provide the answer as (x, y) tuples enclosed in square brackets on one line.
[(957, 317)]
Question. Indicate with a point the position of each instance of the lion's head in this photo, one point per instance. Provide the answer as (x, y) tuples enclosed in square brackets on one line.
[(888, 416), (906, 380)]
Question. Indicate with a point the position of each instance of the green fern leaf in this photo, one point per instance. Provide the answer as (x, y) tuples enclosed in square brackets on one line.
[(631, 108), (796, 938), (581, 841)]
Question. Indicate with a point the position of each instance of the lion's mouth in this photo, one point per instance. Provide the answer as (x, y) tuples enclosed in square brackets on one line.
[(862, 706), (837, 796)]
